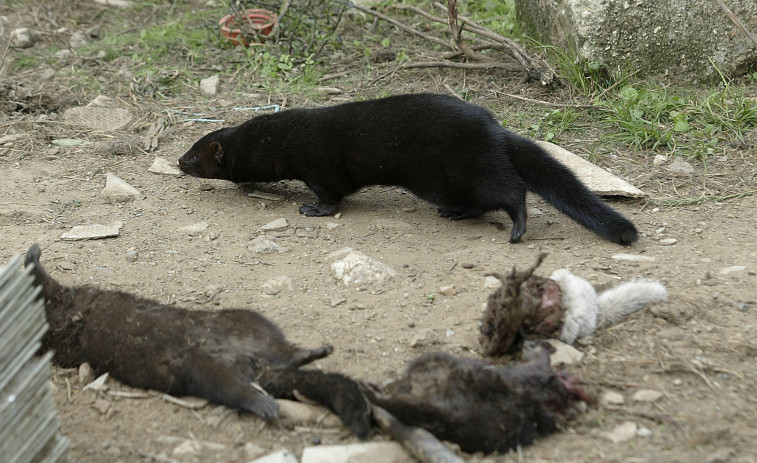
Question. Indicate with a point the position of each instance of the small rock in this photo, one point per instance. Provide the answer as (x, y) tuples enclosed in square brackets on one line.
[(335, 301), (492, 282), (280, 456), (118, 191), (448, 290), (680, 167), (422, 338), (163, 166), (647, 395), (63, 55), (357, 269), (101, 405), (194, 229), (366, 452), (188, 447), (564, 353), (23, 37), (633, 258), (98, 384), (610, 398), (276, 285), (307, 414), (7, 139), (79, 39), (92, 232), (277, 225), (621, 433), (209, 85), (206, 186), (264, 245), (338, 215), (659, 160), (668, 241), (644, 432), (86, 374), (252, 450), (331, 225), (265, 196), (731, 269), (132, 256)]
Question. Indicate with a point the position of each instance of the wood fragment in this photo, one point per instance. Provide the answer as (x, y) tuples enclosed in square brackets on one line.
[(402, 26), (419, 442)]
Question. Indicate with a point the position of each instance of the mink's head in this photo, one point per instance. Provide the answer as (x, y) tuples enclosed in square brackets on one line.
[(208, 158)]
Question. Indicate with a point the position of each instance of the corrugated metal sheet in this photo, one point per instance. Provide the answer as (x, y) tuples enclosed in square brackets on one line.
[(28, 419)]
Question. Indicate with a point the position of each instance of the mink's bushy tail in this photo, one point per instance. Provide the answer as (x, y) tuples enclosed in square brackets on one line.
[(551, 180)]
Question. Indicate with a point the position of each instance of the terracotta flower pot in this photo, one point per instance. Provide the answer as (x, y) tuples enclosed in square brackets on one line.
[(259, 20)]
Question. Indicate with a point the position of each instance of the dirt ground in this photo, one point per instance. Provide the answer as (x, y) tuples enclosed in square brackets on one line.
[(698, 349)]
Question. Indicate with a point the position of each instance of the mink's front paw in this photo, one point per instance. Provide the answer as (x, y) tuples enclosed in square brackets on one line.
[(317, 210)]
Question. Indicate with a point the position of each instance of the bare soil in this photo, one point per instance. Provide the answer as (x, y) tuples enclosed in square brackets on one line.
[(698, 348)]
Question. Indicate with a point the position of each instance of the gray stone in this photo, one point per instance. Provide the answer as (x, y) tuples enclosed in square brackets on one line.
[(595, 178), (118, 191), (194, 229), (610, 398), (668, 241), (264, 245), (647, 395), (674, 38), (564, 354), (79, 39), (276, 285), (364, 452), (23, 37), (209, 86), (681, 168), (622, 432), (280, 456), (93, 232), (276, 225), (163, 166), (633, 257), (357, 269), (492, 282)]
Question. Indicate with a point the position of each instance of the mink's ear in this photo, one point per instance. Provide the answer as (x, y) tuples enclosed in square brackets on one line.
[(217, 151)]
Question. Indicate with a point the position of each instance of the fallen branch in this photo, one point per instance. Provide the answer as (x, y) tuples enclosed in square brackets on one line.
[(457, 65), (419, 442), (402, 26)]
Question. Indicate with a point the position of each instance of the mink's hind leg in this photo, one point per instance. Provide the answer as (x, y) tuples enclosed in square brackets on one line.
[(518, 216), (305, 356), (211, 378), (453, 213), (336, 392)]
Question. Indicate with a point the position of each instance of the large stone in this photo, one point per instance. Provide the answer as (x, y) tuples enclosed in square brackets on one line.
[(677, 38)]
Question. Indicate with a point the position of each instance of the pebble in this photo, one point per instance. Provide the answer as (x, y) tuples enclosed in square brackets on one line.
[(264, 245), (96, 231), (364, 452), (86, 373), (668, 241), (79, 39), (564, 353), (492, 282), (194, 229), (357, 269), (647, 395), (117, 190), (680, 167), (608, 397), (209, 85), (731, 269), (277, 225), (163, 166), (132, 256), (633, 258), (23, 37), (659, 160), (622, 433), (276, 285), (279, 456), (643, 432), (448, 290)]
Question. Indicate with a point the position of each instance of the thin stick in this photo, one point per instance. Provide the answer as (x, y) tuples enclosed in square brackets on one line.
[(402, 26), (451, 64), (547, 103), (736, 20)]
